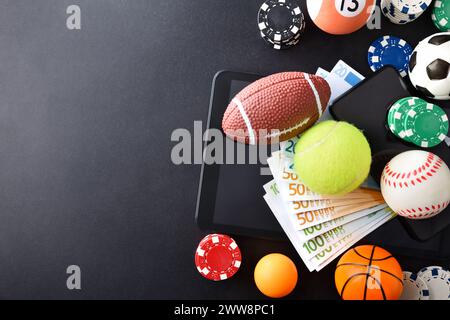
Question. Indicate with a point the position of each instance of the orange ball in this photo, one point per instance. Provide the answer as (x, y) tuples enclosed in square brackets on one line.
[(340, 16), (276, 275), (368, 273)]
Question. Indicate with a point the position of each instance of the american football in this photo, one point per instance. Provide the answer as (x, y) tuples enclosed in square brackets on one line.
[(276, 108)]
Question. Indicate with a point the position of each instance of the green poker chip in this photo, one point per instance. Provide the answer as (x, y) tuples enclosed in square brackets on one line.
[(441, 14), (390, 118), (396, 127), (397, 116), (426, 124)]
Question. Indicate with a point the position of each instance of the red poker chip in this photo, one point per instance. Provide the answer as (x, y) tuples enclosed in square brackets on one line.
[(217, 257)]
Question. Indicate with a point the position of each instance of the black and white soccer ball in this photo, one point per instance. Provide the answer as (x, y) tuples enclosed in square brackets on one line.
[(429, 66)]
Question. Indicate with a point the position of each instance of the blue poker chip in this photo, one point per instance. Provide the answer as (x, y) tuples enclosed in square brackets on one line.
[(390, 51)]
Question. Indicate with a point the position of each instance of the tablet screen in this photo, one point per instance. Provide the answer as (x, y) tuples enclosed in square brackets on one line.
[(239, 199)]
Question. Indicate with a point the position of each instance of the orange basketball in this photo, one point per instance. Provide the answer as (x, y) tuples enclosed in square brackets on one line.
[(340, 16), (368, 273)]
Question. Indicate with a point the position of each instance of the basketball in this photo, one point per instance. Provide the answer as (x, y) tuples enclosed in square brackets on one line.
[(340, 16), (368, 273)]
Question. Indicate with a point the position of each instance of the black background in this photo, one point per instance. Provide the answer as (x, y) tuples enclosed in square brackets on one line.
[(85, 124)]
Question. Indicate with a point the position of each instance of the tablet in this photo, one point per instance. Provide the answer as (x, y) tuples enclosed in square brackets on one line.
[(230, 197)]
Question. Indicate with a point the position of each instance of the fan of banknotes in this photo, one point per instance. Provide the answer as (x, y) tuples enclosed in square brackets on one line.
[(320, 227)]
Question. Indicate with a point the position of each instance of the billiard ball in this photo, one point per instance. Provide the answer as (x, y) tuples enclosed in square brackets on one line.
[(340, 16)]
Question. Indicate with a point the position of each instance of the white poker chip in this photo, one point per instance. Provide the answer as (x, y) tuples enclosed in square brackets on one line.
[(437, 280), (403, 11), (414, 288)]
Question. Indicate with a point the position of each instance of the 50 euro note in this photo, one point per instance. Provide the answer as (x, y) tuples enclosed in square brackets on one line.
[(309, 219), (313, 231), (295, 207), (335, 215)]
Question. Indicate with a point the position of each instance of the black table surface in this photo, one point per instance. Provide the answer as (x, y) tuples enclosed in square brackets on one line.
[(86, 119)]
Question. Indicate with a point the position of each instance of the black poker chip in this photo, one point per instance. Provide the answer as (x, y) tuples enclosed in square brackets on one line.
[(281, 22)]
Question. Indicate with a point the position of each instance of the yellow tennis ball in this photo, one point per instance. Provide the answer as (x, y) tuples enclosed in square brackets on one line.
[(332, 158)]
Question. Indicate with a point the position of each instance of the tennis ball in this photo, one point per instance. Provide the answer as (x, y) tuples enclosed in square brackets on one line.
[(332, 158)]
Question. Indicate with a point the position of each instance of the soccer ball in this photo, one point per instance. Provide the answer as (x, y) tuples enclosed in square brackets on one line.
[(429, 66)]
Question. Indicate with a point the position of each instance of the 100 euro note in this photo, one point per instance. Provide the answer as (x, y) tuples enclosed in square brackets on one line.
[(327, 255), (356, 237), (328, 239)]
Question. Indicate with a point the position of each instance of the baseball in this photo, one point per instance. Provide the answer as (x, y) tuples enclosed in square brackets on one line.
[(416, 184)]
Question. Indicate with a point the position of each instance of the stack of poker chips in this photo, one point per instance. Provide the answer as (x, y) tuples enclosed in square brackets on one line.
[(404, 11), (430, 283), (416, 121), (281, 23), (441, 15)]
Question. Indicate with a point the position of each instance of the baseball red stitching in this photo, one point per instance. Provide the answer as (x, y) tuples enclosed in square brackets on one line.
[(426, 211), (416, 176)]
